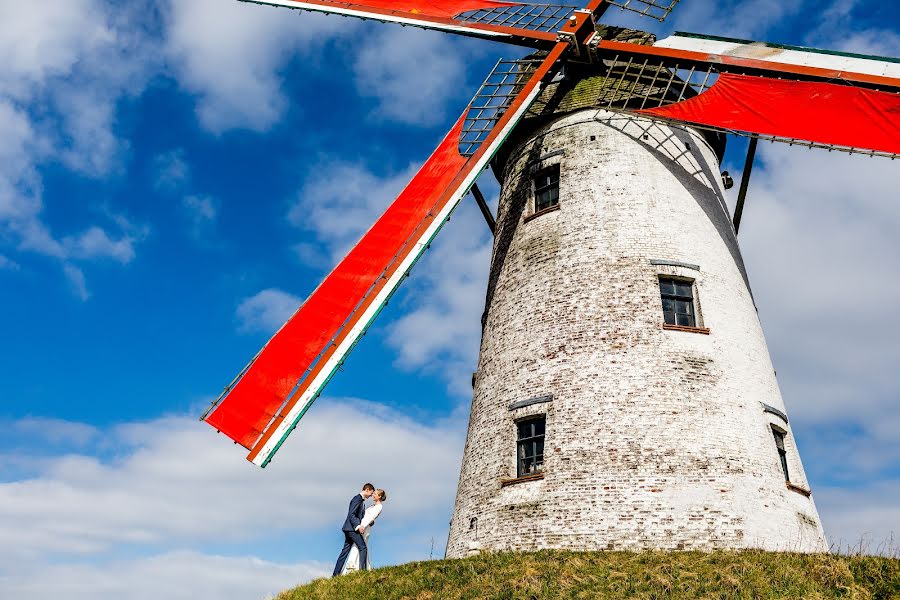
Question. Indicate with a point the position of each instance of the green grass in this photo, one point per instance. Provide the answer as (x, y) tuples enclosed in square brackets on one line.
[(557, 574)]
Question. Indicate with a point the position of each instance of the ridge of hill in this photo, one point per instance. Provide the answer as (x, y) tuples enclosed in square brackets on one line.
[(561, 574)]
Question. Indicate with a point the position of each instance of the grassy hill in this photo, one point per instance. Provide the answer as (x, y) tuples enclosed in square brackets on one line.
[(555, 574)]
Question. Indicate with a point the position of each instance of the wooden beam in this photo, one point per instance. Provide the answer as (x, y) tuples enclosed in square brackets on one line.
[(745, 182), (485, 209)]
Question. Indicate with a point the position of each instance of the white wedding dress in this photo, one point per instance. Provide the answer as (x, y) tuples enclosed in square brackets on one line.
[(368, 519)]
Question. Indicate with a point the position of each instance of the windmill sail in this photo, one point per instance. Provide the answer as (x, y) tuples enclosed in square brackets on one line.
[(845, 102), (267, 400), (824, 114)]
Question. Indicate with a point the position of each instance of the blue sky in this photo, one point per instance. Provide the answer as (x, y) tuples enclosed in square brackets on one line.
[(176, 176)]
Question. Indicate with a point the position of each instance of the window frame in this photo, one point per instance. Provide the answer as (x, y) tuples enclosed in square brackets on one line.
[(780, 438), (532, 440), (536, 189), (675, 297)]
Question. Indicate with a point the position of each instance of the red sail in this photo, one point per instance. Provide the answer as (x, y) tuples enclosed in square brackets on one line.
[(442, 8), (825, 113), (247, 409)]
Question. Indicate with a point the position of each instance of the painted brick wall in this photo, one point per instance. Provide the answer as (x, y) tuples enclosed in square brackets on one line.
[(655, 438)]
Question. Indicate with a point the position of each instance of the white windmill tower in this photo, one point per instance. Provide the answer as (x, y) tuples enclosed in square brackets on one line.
[(624, 396)]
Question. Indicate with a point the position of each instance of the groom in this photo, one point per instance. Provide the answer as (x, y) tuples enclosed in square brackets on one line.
[(352, 535)]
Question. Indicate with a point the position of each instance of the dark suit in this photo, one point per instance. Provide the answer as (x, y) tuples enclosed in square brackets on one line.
[(351, 536)]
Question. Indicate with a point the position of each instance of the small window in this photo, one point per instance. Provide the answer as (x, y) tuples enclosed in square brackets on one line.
[(782, 453), (678, 301), (546, 188), (530, 446)]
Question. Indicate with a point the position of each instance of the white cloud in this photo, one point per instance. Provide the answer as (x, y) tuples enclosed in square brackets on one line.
[(64, 71), (96, 243), (231, 56), (177, 575), (40, 44), (56, 431), (819, 237), (8, 264), (18, 138), (174, 482), (88, 121), (734, 18), (837, 28), (171, 170), (879, 42), (20, 185), (203, 208), (172, 174), (865, 518), (854, 451), (77, 281), (413, 73), (75, 62), (266, 311), (201, 212)]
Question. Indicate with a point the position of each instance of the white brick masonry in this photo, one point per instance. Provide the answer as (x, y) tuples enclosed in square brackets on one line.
[(655, 438)]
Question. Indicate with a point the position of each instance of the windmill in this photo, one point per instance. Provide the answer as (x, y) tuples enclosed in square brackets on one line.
[(622, 371)]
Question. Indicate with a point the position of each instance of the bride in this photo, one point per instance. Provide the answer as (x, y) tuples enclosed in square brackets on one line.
[(368, 520)]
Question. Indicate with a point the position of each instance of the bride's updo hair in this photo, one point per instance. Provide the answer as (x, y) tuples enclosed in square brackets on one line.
[(382, 495)]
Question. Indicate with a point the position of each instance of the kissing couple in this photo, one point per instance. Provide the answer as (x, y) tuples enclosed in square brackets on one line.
[(357, 526)]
